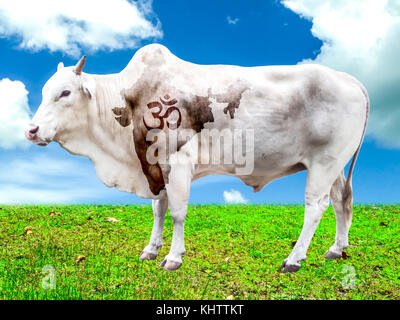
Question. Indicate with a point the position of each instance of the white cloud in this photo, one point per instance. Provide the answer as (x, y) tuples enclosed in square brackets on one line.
[(232, 20), (46, 180), (14, 113), (361, 37), (234, 196), (39, 168), (15, 194), (71, 25)]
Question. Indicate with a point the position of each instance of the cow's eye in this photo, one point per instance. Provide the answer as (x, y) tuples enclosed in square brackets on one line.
[(65, 93)]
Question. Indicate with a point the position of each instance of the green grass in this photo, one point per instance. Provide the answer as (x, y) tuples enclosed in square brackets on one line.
[(231, 251)]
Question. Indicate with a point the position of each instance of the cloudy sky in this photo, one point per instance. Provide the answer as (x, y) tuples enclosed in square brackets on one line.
[(359, 36)]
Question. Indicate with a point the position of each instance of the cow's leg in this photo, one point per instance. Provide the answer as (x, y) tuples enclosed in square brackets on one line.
[(178, 189), (319, 183), (342, 202), (160, 207)]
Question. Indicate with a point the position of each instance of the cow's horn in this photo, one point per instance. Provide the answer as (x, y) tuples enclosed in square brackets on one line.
[(60, 66), (79, 65)]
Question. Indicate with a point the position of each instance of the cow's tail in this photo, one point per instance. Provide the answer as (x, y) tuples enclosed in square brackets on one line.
[(348, 191)]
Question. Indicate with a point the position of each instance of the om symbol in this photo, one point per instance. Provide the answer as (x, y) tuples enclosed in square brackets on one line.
[(170, 109)]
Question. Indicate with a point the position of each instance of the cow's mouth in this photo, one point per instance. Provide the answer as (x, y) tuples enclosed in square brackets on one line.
[(41, 143), (33, 137)]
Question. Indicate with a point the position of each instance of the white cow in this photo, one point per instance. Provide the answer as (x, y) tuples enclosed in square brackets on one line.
[(303, 117)]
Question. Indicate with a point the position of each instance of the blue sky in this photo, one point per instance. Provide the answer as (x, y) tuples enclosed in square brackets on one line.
[(246, 33)]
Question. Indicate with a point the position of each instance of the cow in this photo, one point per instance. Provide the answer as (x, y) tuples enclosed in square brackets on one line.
[(301, 117)]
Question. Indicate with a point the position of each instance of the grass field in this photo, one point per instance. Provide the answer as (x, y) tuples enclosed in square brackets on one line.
[(232, 251)]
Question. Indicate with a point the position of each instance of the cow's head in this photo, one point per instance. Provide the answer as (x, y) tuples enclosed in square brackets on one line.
[(64, 108)]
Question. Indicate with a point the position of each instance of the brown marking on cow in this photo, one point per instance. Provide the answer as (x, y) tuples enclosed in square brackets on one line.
[(232, 97), (198, 111), (134, 98), (152, 172), (157, 114), (123, 115)]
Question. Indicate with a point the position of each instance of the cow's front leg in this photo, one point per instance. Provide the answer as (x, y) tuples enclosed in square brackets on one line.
[(178, 189), (160, 207)]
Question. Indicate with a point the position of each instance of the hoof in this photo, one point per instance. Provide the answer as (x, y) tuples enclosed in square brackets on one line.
[(170, 265), (289, 268), (332, 255), (147, 256)]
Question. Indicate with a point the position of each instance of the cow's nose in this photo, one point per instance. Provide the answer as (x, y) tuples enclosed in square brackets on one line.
[(34, 130), (30, 133)]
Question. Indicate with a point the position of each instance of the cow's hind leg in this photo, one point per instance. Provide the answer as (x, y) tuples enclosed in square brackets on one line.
[(319, 183), (342, 202), (160, 207)]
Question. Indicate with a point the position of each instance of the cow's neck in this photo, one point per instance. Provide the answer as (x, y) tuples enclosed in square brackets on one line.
[(108, 145)]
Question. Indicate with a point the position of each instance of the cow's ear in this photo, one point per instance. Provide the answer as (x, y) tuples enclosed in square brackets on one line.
[(60, 66), (87, 92)]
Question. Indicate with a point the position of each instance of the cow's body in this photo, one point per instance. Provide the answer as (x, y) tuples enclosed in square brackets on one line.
[(304, 117)]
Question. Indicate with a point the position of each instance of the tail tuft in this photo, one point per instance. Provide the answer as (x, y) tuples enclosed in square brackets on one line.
[(348, 198)]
